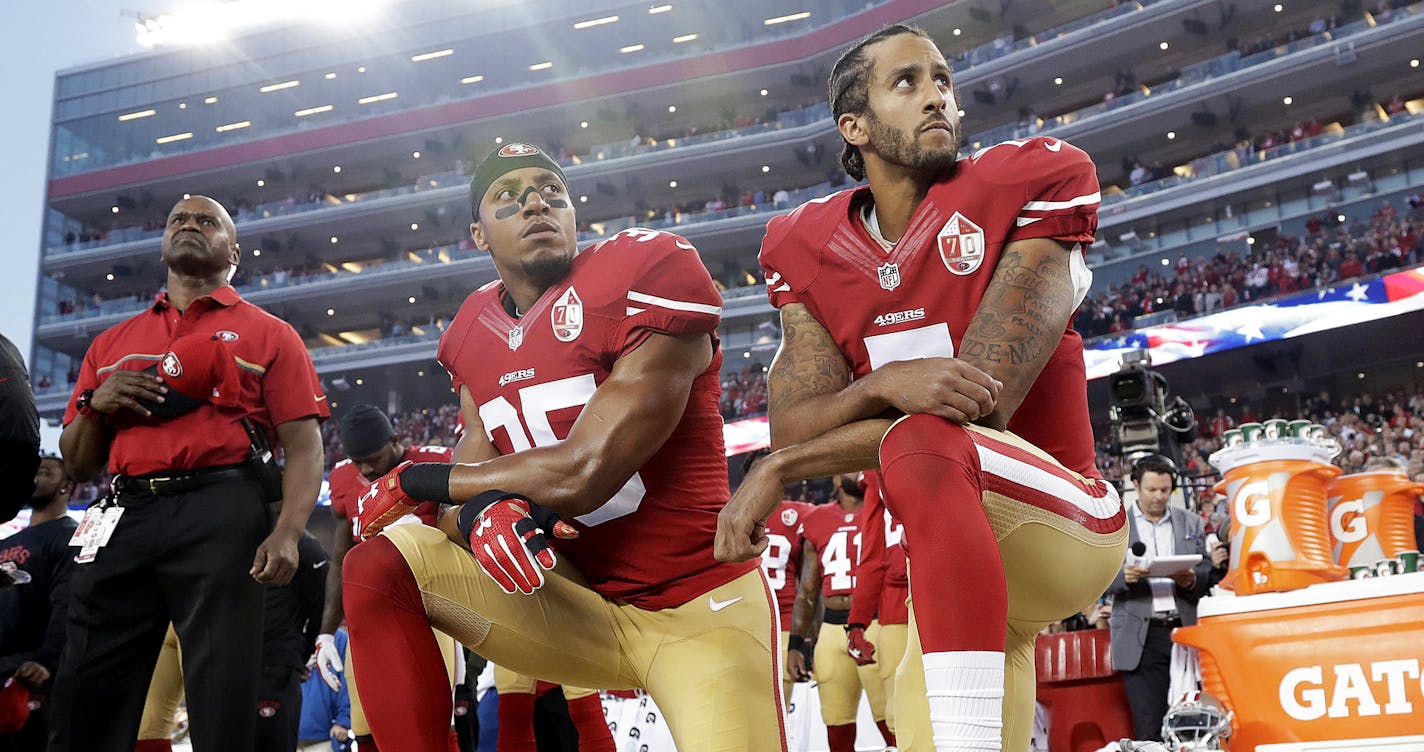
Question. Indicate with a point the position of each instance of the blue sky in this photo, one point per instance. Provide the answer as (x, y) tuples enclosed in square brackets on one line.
[(44, 36)]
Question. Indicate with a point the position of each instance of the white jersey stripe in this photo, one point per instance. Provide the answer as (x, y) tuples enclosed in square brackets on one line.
[(1091, 198), (1022, 473), (676, 305), (1026, 221)]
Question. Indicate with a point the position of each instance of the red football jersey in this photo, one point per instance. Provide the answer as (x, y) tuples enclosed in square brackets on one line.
[(881, 580), (347, 485), (836, 535), (916, 298), (781, 561), (651, 544)]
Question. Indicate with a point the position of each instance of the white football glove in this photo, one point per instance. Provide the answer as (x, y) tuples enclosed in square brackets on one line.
[(327, 660)]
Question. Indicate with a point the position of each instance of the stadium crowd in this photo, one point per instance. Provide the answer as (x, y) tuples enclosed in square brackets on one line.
[(1329, 252)]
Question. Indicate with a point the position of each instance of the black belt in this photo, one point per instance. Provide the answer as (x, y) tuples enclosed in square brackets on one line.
[(1170, 621), (836, 616), (179, 481)]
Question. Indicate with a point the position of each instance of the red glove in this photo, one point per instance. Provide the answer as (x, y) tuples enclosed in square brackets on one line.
[(383, 503), (506, 541), (859, 648)]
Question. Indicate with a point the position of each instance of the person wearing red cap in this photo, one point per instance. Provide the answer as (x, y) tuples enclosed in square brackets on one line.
[(181, 402), (35, 568), (588, 384)]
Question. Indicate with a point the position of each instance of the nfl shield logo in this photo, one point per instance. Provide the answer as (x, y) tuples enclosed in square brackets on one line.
[(889, 276), (567, 316), (961, 245), (516, 337)]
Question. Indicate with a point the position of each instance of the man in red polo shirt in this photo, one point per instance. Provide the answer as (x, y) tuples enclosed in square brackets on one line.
[(172, 401)]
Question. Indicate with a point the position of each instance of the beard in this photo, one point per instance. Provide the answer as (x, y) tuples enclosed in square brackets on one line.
[(899, 148), (851, 486), (545, 271)]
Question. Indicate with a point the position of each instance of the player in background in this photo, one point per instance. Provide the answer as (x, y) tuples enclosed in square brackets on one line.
[(943, 292), (832, 552), (588, 382), (882, 591), (372, 448), (782, 564)]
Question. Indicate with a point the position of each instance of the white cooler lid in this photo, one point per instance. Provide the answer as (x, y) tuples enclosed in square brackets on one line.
[(1223, 602)]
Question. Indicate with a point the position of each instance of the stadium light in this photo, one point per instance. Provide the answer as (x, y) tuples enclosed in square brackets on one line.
[(210, 100), (174, 137), (656, 9), (278, 87), (684, 38), (212, 21), (472, 79), (596, 22), (136, 115), (233, 126), (377, 98), (787, 18), (422, 57), (541, 66), (631, 48), (314, 110)]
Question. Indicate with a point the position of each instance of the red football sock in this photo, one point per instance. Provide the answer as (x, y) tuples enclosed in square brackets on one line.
[(841, 738), (886, 733), (153, 745), (593, 733), (403, 685), (933, 485), (516, 723)]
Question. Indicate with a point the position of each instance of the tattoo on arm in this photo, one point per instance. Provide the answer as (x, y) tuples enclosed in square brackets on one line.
[(1020, 321), (809, 363)]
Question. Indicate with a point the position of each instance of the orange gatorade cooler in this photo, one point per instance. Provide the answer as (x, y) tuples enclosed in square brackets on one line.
[(1372, 517), (1279, 537), (1333, 667)]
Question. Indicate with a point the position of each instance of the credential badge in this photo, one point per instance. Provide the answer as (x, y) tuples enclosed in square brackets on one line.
[(889, 276), (961, 245)]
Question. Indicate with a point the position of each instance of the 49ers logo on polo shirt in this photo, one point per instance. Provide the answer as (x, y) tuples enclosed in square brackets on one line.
[(171, 366), (566, 316), (961, 245), (518, 150)]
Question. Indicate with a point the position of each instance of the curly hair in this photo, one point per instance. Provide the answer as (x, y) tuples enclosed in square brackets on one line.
[(849, 87)]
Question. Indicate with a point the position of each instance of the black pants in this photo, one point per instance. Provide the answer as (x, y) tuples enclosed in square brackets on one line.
[(279, 709), (1148, 684), (182, 558)]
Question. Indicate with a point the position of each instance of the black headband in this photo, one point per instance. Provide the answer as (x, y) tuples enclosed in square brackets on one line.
[(504, 160)]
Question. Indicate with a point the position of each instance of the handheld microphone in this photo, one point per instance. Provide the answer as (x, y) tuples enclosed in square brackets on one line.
[(1137, 554)]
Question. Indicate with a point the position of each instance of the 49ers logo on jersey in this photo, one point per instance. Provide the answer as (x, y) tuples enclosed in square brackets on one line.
[(567, 316), (171, 366), (961, 245), (788, 517)]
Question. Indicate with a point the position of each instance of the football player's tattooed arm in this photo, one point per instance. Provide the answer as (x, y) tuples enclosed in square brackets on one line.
[(803, 612), (1020, 321), (631, 415), (810, 392)]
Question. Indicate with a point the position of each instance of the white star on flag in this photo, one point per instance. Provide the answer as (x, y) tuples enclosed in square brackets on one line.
[(1251, 331), (1357, 293)]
